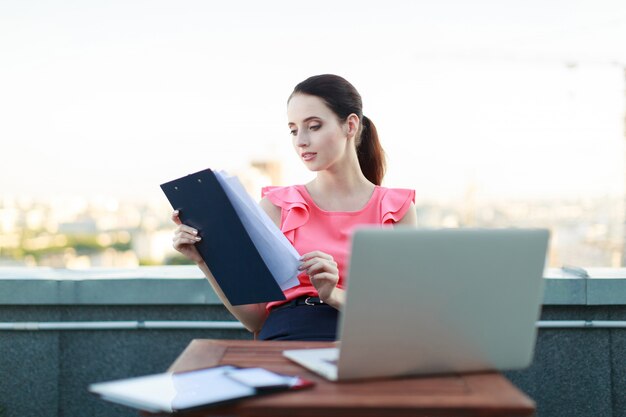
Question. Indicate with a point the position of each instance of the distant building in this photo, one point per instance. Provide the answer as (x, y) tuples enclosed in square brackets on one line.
[(87, 226)]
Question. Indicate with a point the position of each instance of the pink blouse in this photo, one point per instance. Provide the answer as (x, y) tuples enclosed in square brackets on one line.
[(310, 228)]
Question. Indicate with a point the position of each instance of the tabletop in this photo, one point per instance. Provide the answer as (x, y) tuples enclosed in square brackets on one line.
[(472, 394)]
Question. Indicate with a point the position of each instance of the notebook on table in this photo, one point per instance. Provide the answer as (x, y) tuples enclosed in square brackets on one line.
[(436, 301)]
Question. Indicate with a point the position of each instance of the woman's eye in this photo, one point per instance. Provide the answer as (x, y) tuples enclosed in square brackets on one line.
[(293, 132), (314, 127)]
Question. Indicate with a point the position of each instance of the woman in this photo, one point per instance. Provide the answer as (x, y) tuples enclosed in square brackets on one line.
[(333, 139)]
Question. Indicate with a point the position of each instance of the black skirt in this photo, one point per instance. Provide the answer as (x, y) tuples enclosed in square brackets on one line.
[(301, 322)]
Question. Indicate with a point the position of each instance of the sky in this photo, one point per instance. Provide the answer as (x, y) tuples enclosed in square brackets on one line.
[(511, 98)]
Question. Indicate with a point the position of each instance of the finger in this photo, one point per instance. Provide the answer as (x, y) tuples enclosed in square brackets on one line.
[(188, 240), (187, 229), (175, 217), (306, 266), (185, 235), (324, 276), (316, 254), (321, 266), (179, 243)]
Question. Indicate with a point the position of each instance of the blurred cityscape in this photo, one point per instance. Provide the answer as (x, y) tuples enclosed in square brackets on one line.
[(79, 233), (76, 233)]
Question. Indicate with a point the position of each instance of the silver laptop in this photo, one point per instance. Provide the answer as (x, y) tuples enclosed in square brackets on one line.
[(436, 301)]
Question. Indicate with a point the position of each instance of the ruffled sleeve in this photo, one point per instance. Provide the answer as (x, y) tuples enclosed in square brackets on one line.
[(294, 209), (395, 203)]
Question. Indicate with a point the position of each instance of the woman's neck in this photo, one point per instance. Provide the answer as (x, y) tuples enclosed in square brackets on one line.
[(341, 190), (343, 177), (344, 183)]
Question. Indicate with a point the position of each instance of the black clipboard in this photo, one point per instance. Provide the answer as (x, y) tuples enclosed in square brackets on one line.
[(226, 246)]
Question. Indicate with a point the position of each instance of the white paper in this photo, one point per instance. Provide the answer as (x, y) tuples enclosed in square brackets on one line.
[(206, 387), (259, 377), (279, 255)]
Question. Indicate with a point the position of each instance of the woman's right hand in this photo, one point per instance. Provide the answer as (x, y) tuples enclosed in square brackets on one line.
[(185, 238)]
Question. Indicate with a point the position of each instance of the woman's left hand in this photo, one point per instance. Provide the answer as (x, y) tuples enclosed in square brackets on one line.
[(323, 273)]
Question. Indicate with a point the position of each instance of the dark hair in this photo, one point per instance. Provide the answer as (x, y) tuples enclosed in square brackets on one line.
[(343, 99)]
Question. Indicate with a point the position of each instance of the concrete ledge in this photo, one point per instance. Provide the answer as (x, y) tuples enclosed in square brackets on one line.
[(565, 291), (186, 285), (146, 285), (609, 291), (107, 292)]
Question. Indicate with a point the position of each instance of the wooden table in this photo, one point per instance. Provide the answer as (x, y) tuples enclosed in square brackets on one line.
[(478, 394)]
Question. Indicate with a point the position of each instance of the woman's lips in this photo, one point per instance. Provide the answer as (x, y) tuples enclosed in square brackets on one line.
[(307, 156)]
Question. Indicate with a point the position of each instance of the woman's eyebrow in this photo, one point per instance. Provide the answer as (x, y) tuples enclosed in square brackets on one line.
[(305, 120)]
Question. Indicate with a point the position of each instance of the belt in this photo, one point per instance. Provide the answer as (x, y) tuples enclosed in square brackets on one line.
[(302, 301)]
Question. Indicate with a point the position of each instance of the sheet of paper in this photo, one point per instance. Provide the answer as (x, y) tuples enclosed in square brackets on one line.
[(206, 387), (279, 255), (259, 378)]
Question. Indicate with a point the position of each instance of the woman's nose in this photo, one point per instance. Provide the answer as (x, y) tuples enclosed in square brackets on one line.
[(302, 140)]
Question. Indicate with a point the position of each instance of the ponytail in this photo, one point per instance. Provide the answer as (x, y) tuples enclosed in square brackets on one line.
[(370, 152)]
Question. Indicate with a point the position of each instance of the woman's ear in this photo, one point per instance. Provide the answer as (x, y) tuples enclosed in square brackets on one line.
[(352, 125)]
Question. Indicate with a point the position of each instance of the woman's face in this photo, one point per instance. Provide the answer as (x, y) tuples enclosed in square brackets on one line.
[(319, 138)]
